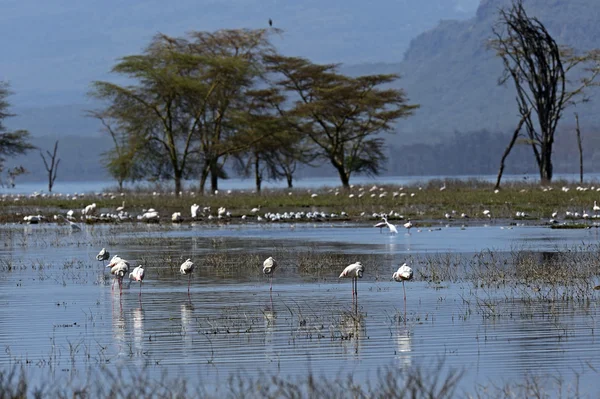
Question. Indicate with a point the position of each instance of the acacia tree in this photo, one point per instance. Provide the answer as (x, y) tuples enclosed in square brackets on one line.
[(127, 160), (236, 62), (342, 116), (11, 142), (51, 165), (164, 110), (538, 67)]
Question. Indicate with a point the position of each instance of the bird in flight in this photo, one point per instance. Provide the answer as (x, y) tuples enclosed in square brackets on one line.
[(270, 22)]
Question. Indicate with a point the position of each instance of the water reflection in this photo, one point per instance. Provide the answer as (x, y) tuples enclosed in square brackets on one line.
[(403, 350), (118, 325), (138, 333)]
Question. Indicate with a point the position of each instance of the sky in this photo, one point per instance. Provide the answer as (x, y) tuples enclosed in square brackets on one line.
[(52, 50)]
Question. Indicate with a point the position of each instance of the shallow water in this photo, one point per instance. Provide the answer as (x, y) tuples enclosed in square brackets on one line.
[(58, 312)]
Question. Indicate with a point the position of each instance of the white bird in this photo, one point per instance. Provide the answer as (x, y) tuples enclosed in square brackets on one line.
[(176, 217), (137, 275), (194, 210), (404, 273), (408, 225), (596, 207), (74, 226), (103, 255), (187, 267), (269, 266), (119, 268), (121, 208), (486, 212), (354, 271), (393, 229)]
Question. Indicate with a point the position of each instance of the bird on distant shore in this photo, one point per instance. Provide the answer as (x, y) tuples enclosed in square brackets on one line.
[(103, 255), (74, 226), (187, 267), (354, 271), (269, 266), (404, 273), (137, 275)]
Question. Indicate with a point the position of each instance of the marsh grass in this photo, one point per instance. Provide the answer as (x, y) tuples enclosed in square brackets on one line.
[(429, 379), (428, 202)]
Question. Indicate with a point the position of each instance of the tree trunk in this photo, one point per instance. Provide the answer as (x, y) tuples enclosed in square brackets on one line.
[(120, 182), (578, 131), (203, 178), (289, 179), (510, 146), (344, 177), (50, 183), (546, 164), (257, 174), (177, 179), (214, 176)]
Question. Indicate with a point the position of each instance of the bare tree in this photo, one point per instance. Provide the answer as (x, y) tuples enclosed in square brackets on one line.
[(579, 145), (537, 65), (51, 165)]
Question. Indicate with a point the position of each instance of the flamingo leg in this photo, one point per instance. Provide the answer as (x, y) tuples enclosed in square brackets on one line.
[(404, 288), (140, 288), (120, 286), (271, 279), (189, 282)]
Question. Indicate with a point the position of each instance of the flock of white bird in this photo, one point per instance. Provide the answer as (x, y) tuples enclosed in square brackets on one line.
[(119, 268)]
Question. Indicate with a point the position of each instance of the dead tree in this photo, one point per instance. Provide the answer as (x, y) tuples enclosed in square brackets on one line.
[(579, 145), (51, 165), (537, 65)]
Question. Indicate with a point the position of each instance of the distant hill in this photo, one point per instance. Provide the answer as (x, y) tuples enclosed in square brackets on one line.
[(453, 75)]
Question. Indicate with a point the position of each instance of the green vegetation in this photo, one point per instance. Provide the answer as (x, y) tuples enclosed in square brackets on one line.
[(421, 203), (11, 142)]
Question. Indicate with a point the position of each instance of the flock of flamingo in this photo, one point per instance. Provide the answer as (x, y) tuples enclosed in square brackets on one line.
[(119, 267)]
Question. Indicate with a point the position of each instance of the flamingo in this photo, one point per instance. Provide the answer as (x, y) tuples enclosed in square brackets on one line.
[(74, 226), (119, 267), (408, 225), (404, 273), (137, 275), (269, 266), (103, 255), (354, 271), (187, 267)]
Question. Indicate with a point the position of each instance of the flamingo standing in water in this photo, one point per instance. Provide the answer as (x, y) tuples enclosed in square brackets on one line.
[(404, 273), (187, 267), (103, 255), (119, 268), (269, 266), (408, 225), (137, 275), (354, 271)]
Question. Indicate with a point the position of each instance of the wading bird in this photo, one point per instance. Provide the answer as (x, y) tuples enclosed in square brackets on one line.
[(381, 225), (119, 268), (103, 255), (187, 267), (404, 273), (354, 271), (269, 266), (408, 225), (137, 275), (74, 226), (393, 229)]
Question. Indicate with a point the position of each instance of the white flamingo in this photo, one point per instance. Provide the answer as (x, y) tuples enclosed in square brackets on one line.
[(74, 226), (354, 271), (103, 255), (119, 268), (404, 273), (187, 267), (408, 225), (137, 275), (269, 266)]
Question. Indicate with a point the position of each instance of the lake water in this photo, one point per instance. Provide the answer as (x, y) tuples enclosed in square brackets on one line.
[(59, 315), (248, 184)]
